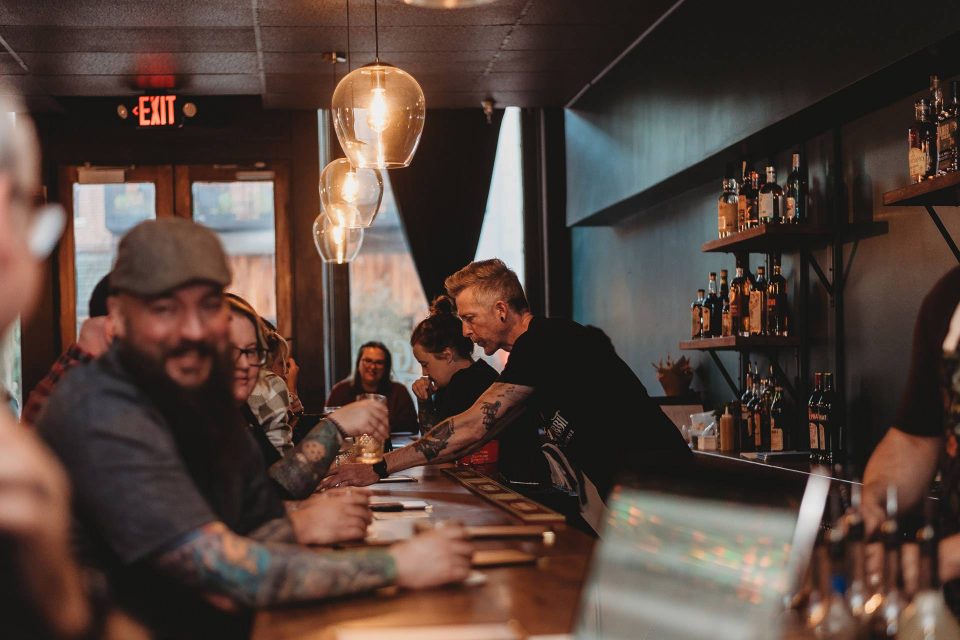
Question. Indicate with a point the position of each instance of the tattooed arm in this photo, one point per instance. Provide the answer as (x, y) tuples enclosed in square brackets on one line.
[(277, 530), (216, 561), (300, 471), (458, 435)]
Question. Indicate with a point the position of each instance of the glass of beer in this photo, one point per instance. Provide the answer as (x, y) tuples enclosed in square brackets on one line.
[(370, 449)]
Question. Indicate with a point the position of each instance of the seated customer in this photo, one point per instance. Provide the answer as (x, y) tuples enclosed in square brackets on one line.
[(595, 412), (453, 381), (172, 500), (372, 375), (94, 339)]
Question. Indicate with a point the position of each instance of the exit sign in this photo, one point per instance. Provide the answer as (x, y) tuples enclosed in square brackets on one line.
[(156, 111)]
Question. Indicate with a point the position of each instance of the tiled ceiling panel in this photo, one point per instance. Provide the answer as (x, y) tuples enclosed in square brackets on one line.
[(520, 52)]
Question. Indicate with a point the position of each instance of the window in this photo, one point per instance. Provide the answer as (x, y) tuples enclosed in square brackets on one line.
[(386, 297), (102, 213), (242, 214)]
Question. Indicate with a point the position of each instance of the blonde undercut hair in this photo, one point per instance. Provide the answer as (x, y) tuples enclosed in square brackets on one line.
[(492, 280)]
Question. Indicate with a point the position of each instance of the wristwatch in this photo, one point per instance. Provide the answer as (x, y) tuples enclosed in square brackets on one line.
[(381, 468)]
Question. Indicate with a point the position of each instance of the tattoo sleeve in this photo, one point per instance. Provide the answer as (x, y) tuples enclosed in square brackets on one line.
[(436, 440), (255, 574), (277, 530), (489, 411), (300, 471)]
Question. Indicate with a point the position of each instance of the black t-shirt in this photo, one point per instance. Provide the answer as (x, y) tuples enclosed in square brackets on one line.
[(595, 408), (135, 498), (463, 389)]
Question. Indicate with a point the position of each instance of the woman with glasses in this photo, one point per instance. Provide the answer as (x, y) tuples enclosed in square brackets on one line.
[(373, 375)]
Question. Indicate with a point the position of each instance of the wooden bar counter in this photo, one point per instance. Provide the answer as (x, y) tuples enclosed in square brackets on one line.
[(543, 597)]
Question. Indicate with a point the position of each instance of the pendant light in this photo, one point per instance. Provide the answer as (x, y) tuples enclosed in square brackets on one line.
[(351, 195), (447, 4), (336, 244), (378, 113)]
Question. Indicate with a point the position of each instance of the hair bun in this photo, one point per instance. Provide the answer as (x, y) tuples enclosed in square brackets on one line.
[(442, 305)]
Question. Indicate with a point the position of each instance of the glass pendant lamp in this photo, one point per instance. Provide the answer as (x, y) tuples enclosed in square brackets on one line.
[(352, 195), (335, 243), (378, 113)]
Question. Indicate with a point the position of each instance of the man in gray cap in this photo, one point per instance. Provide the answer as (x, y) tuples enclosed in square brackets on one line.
[(172, 499)]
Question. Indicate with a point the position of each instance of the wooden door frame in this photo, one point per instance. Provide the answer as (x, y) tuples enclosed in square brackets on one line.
[(162, 178), (184, 175)]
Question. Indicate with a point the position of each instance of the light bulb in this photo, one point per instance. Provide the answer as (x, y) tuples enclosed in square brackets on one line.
[(377, 115), (351, 187)]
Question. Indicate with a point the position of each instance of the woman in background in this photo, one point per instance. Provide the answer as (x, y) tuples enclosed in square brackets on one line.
[(372, 375)]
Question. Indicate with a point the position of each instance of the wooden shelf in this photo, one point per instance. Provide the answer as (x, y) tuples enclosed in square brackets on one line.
[(738, 343), (940, 191), (773, 238)]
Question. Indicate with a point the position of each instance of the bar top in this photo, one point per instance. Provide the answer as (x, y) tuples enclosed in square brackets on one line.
[(543, 598)]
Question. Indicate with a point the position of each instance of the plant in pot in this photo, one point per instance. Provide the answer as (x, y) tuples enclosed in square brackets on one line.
[(675, 376)]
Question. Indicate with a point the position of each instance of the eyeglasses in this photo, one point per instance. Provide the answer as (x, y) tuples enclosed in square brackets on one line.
[(373, 363), (255, 357)]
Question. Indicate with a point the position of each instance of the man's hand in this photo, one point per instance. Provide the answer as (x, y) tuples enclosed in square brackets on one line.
[(334, 516), (351, 475), (431, 559), (424, 387), (94, 336), (364, 416)]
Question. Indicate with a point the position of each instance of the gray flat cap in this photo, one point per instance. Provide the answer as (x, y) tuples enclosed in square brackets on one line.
[(157, 256)]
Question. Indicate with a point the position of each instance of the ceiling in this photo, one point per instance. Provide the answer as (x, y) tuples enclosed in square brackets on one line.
[(520, 52)]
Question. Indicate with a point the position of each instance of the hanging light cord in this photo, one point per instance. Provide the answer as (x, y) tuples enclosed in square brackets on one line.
[(349, 57), (376, 32)]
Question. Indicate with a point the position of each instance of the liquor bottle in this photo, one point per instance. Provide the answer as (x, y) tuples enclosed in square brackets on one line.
[(837, 622), (796, 198), (746, 418), (826, 413), (947, 156), (740, 302), (726, 322), (727, 208), (922, 141), (758, 303), (813, 408), (752, 193), (743, 187), (858, 591), (928, 617), (696, 316), (886, 618), (712, 310), (778, 421), (756, 412), (771, 199), (777, 320), (936, 97)]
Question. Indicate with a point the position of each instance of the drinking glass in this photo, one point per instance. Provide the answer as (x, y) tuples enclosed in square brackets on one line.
[(370, 449)]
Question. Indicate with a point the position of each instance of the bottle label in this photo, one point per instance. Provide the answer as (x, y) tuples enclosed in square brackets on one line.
[(756, 312), (918, 163), (757, 431), (776, 437), (706, 322), (946, 132), (821, 434), (695, 320), (726, 328), (742, 217), (746, 418), (766, 206), (791, 208), (814, 432), (727, 218)]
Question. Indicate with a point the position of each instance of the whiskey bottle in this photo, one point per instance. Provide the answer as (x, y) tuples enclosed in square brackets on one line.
[(826, 423), (696, 316), (779, 429), (777, 322), (752, 213), (740, 302), (758, 303), (726, 323), (756, 413), (743, 186), (947, 160), (796, 197), (727, 208), (712, 310), (813, 409), (922, 142), (771, 199), (936, 97), (746, 419)]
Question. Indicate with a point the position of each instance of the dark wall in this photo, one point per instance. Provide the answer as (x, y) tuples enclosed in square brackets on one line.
[(227, 130), (636, 278)]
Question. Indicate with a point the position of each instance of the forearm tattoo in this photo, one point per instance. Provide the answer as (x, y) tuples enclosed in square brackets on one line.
[(262, 574), (489, 410), (277, 530), (435, 441), (300, 471)]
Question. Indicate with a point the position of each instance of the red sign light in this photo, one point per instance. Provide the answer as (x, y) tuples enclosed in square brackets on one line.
[(156, 111)]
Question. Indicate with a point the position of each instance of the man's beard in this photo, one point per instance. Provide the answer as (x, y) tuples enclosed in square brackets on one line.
[(205, 421)]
